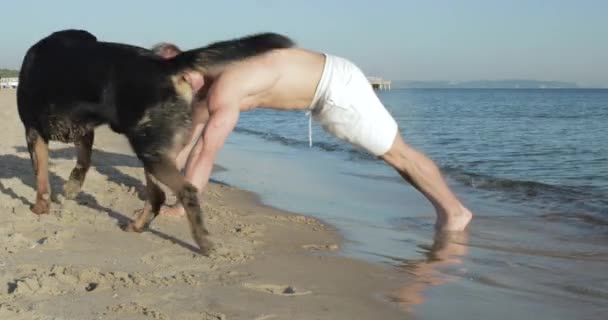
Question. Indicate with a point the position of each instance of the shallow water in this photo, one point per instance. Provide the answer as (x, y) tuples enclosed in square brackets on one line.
[(531, 164)]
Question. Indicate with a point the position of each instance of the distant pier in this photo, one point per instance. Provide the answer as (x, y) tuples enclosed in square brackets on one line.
[(379, 83)]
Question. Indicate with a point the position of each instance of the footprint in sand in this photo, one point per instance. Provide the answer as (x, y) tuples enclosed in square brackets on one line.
[(321, 247), (136, 308), (279, 290)]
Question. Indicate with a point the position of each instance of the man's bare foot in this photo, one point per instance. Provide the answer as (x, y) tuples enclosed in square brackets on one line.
[(454, 222), (175, 211)]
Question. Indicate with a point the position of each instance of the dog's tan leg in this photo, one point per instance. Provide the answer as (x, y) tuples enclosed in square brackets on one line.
[(84, 148), (156, 198), (39, 153), (165, 171)]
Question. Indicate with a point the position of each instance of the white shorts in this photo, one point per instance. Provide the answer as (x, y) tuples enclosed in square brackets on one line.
[(346, 106)]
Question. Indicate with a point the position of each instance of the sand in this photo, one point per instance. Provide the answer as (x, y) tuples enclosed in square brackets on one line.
[(76, 263)]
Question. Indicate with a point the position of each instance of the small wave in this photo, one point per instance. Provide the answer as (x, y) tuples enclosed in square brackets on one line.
[(582, 200), (322, 145), (562, 199)]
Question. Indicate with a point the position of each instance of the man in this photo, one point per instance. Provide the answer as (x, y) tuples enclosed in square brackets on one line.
[(340, 98)]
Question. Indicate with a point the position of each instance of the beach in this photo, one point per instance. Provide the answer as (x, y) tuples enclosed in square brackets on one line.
[(327, 232), (76, 263), (509, 102)]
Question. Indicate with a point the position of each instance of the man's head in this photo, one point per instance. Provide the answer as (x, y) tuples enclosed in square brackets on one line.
[(166, 50)]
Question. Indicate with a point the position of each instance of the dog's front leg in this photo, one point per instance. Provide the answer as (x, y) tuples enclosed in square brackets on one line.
[(155, 199)]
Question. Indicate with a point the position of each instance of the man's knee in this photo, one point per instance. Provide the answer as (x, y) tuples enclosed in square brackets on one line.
[(397, 146), (400, 155)]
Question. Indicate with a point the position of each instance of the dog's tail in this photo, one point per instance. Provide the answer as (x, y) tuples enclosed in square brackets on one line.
[(211, 58)]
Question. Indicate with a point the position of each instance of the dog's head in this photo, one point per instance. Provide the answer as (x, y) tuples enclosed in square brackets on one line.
[(188, 82)]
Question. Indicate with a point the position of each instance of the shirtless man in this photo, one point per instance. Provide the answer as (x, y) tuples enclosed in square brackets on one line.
[(340, 98)]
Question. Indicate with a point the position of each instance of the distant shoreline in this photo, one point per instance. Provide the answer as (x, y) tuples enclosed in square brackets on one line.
[(516, 84), (491, 84), (498, 88)]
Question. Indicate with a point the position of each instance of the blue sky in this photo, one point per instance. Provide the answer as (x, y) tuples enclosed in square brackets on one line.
[(397, 39)]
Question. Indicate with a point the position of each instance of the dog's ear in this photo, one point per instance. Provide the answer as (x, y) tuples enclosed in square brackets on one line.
[(195, 79), (187, 84)]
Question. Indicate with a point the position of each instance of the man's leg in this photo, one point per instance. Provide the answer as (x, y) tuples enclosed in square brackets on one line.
[(423, 174), (364, 121)]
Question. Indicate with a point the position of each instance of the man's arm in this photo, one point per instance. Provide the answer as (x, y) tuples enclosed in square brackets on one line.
[(233, 89), (222, 120)]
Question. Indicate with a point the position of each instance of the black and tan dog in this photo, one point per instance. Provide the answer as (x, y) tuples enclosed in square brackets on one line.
[(70, 83)]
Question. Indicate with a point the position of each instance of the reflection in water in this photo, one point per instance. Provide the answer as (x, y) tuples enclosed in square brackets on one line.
[(447, 250)]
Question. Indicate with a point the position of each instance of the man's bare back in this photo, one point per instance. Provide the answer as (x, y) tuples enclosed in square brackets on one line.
[(284, 79)]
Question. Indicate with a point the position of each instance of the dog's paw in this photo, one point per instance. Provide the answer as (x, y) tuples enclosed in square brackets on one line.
[(205, 246), (71, 189), (41, 207), (131, 227)]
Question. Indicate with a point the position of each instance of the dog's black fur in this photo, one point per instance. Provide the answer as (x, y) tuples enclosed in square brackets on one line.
[(70, 83)]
